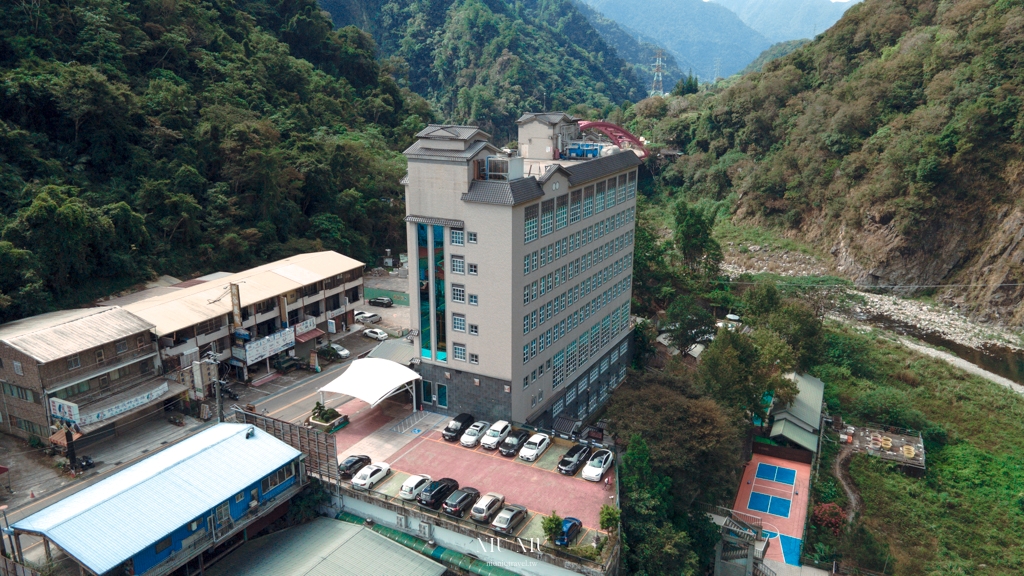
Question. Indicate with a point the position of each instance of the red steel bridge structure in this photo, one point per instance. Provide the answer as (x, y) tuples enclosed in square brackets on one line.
[(617, 134)]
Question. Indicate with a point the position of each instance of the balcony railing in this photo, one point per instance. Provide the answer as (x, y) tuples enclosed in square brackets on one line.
[(174, 561), (87, 371), (116, 387)]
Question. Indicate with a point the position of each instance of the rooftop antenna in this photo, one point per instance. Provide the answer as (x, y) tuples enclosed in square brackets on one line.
[(657, 89)]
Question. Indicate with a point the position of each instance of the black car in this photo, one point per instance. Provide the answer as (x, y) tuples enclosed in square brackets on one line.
[(453, 431), (460, 501), (381, 301), (573, 459), (352, 465), (437, 492), (515, 440)]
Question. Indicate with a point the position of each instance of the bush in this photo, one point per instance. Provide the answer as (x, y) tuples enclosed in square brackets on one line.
[(322, 414), (826, 491), (829, 517), (552, 526), (584, 551), (610, 516), (886, 405)]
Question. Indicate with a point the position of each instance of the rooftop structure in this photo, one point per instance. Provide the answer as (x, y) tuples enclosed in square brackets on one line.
[(170, 497), (800, 421), (325, 547), (55, 335), (903, 447), (520, 252)]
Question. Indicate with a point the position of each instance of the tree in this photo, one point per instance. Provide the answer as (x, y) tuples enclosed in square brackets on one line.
[(689, 322), (762, 298), (698, 253), (644, 337), (802, 329), (552, 526), (689, 84), (610, 516)]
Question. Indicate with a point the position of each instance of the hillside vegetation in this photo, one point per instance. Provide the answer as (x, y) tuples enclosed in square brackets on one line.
[(776, 51), (485, 62), (186, 136), (636, 49), (781, 20), (892, 142), (697, 33)]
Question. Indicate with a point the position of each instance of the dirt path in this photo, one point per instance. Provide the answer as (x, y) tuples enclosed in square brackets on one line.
[(842, 472)]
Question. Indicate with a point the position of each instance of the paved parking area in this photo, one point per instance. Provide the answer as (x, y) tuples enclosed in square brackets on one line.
[(536, 485)]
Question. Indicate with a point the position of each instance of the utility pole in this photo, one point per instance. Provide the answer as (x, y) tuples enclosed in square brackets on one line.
[(657, 89), (718, 68)]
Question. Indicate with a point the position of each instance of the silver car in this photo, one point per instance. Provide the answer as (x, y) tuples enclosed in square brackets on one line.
[(472, 437), (487, 506)]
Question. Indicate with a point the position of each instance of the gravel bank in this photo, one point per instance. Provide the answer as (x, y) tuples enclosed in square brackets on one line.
[(963, 365)]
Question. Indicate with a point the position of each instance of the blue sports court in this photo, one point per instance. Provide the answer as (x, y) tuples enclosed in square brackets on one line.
[(774, 505), (776, 473)]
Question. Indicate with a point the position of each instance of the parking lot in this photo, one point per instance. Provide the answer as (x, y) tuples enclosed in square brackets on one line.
[(538, 486)]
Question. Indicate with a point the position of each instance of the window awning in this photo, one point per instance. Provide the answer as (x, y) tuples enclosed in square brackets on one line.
[(373, 380), (307, 336)]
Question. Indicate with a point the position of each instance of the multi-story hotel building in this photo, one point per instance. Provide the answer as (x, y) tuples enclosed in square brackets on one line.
[(520, 271)]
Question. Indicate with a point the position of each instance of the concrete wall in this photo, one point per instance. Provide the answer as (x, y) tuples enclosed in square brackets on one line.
[(486, 401)]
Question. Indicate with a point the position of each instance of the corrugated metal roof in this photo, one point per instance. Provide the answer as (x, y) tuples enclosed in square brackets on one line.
[(807, 406), (504, 193), (451, 132), (55, 335), (325, 547), (600, 167), (421, 149), (439, 221), (400, 351), (549, 118), (795, 434), (112, 520), (188, 306)]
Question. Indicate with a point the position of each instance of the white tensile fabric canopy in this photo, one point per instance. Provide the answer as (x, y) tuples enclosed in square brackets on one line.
[(373, 380)]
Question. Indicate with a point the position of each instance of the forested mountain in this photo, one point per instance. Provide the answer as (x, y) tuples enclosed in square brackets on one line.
[(697, 33), (636, 49), (485, 62), (776, 51), (892, 142), (185, 136), (781, 20)]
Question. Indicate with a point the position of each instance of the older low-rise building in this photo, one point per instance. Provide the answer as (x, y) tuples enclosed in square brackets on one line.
[(282, 305), (97, 367)]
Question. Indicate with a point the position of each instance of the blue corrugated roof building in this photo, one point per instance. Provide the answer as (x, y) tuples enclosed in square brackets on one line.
[(158, 514)]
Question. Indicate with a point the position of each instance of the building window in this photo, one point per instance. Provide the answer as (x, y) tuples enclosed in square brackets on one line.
[(473, 269), (540, 395), (458, 237), (473, 300), (474, 330), (121, 346), (474, 359), (458, 323), (73, 362), (530, 226), (575, 201), (163, 545), (547, 217), (99, 356), (19, 392), (239, 497), (458, 265), (442, 395), (588, 201), (526, 265), (140, 341), (533, 401), (460, 352), (562, 212), (276, 478), (427, 389), (526, 353), (526, 382), (471, 237), (458, 293)]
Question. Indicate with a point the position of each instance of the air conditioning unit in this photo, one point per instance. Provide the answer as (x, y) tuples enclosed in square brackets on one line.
[(193, 526)]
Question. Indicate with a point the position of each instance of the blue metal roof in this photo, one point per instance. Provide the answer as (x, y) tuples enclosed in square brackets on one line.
[(112, 520)]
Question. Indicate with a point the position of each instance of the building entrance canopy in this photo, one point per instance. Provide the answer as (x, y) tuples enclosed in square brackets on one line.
[(373, 380)]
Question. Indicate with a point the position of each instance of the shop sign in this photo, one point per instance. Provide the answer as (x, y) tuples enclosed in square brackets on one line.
[(266, 347), (64, 410), (305, 326), (123, 406), (332, 327)]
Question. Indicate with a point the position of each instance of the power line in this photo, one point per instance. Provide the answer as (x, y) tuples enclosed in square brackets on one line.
[(876, 285)]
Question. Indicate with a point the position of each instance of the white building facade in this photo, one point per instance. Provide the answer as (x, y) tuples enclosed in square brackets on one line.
[(520, 270)]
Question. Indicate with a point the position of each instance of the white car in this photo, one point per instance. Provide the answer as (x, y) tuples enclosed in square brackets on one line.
[(472, 437), (370, 475), (534, 447), (497, 432), (341, 350), (376, 334), (413, 486), (598, 464), (367, 317)]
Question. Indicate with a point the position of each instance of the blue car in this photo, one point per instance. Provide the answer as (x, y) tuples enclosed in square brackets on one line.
[(570, 531)]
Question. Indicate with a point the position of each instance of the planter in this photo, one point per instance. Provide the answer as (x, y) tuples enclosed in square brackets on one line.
[(328, 427)]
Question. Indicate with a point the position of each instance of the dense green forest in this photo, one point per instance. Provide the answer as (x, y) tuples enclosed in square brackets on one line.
[(187, 136), (774, 52), (892, 141), (485, 62), (636, 49)]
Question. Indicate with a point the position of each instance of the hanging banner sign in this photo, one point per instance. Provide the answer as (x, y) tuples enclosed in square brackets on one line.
[(123, 406), (266, 347), (64, 410)]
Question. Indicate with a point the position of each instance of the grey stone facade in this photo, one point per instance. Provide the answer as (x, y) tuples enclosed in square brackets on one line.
[(489, 400), (588, 400)]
